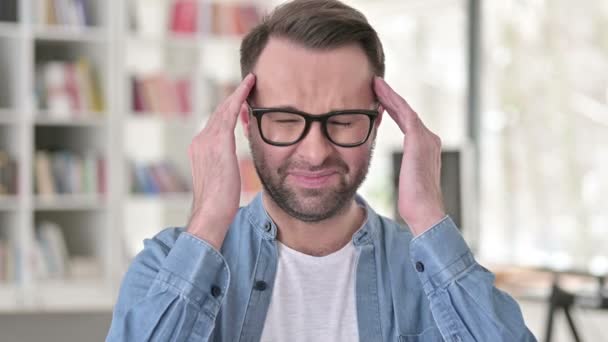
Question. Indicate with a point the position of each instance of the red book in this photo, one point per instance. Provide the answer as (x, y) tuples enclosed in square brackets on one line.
[(71, 87), (138, 104), (184, 16)]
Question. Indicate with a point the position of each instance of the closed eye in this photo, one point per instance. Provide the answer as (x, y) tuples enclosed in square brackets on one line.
[(343, 124), (287, 121)]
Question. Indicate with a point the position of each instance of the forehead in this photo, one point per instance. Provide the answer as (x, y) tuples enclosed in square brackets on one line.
[(313, 80)]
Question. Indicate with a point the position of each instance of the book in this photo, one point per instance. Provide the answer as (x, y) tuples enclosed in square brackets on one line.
[(75, 13), (156, 178), (4, 276), (67, 90), (8, 258), (53, 249), (161, 94), (8, 174), (101, 176), (45, 184), (89, 170), (90, 86), (184, 16), (67, 172), (232, 19), (57, 97)]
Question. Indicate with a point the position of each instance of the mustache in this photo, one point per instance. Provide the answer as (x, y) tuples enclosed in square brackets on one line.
[(334, 163)]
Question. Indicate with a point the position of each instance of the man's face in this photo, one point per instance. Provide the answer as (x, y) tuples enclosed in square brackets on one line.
[(314, 179)]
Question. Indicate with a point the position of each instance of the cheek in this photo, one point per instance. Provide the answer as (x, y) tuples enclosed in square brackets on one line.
[(271, 156), (356, 158)]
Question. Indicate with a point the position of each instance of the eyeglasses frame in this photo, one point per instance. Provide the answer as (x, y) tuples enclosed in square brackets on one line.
[(258, 112)]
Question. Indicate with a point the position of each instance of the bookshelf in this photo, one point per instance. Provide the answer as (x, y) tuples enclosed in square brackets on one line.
[(193, 50), (75, 131)]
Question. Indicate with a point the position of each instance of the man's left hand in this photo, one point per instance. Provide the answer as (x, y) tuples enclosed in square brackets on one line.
[(420, 200)]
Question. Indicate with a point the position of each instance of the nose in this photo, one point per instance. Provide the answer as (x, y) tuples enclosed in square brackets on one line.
[(315, 147)]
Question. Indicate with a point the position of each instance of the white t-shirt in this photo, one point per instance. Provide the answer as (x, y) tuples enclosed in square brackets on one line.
[(313, 297)]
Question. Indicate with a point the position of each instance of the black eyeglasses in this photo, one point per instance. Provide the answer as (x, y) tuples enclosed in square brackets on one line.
[(285, 126)]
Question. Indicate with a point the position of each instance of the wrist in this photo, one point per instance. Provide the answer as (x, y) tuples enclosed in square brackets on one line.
[(420, 224), (210, 229)]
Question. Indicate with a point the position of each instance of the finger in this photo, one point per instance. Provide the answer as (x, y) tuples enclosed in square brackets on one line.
[(237, 98), (396, 106)]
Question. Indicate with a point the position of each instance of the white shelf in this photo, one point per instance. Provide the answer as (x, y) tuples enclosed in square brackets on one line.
[(181, 40), (165, 118), (9, 301), (7, 117), (70, 33), (56, 296), (9, 30), (69, 202), (83, 119), (8, 202), (68, 295), (222, 39), (173, 199)]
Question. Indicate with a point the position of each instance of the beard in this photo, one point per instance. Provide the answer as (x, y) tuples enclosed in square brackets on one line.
[(310, 205)]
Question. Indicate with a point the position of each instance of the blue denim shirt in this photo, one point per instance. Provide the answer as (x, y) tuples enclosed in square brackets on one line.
[(428, 288)]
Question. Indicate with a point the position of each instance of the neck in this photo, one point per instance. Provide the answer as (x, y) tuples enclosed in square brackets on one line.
[(316, 238)]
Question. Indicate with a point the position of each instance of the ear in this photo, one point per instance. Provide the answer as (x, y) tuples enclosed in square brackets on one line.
[(245, 119)]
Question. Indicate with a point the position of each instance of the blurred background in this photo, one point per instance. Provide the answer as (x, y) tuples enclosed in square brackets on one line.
[(99, 100)]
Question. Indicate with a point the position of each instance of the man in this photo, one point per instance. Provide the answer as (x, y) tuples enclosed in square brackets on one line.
[(308, 259)]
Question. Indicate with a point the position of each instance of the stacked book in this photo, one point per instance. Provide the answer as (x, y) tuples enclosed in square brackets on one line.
[(8, 174), (156, 178), (66, 172), (52, 260), (162, 94), (64, 12), (68, 90), (50, 251)]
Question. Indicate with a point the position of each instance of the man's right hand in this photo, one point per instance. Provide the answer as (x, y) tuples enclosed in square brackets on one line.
[(215, 171)]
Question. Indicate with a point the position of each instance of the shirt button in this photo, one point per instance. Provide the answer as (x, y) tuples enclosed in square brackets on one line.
[(419, 266), (216, 291), (260, 285), (268, 226)]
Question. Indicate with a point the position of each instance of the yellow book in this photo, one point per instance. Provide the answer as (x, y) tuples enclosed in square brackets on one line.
[(89, 86)]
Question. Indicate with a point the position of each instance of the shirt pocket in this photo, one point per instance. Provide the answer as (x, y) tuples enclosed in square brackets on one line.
[(429, 335)]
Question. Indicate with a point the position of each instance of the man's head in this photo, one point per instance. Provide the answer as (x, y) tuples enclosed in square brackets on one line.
[(313, 56)]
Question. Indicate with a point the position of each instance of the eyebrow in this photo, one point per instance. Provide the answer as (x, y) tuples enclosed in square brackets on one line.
[(290, 107)]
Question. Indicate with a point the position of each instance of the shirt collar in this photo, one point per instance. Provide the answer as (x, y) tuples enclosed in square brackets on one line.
[(265, 226)]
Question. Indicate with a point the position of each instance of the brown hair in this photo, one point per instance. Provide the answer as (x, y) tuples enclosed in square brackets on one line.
[(315, 24)]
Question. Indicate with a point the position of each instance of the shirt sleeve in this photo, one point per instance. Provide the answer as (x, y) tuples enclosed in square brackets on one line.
[(171, 293), (465, 303)]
